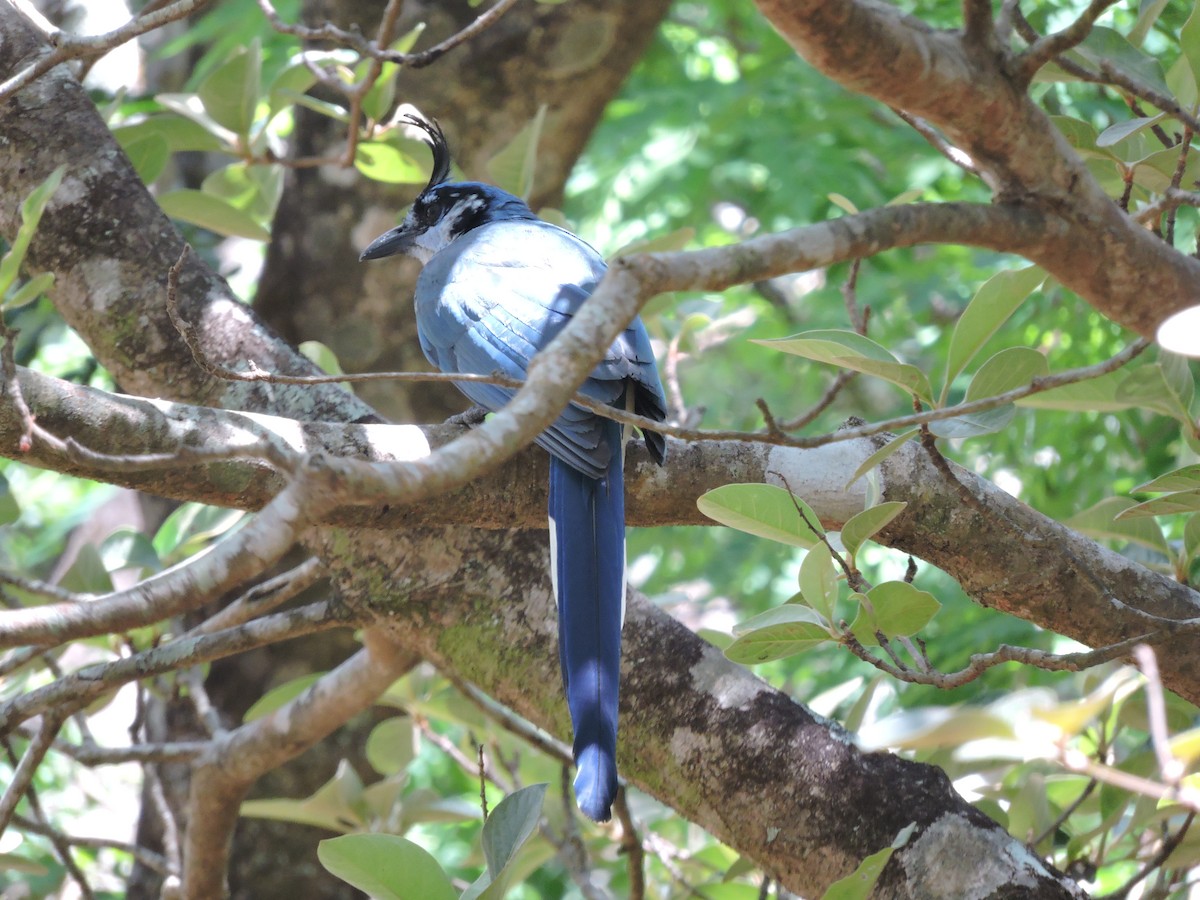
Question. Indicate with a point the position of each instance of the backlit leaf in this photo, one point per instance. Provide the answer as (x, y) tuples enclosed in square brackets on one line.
[(850, 350), (763, 510), (862, 526), (386, 866)]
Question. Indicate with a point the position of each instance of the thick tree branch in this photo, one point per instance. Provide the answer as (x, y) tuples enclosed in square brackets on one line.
[(975, 96), (704, 734)]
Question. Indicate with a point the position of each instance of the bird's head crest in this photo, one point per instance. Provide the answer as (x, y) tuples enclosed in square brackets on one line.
[(437, 143)]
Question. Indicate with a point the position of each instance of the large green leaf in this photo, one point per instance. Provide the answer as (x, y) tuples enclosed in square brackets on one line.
[(785, 631), (989, 309), (337, 805), (1093, 395), (1007, 370), (508, 827), (386, 162), (881, 454), (230, 92), (1167, 505), (212, 212), (1150, 388), (763, 510), (1185, 478), (850, 350), (974, 424), (895, 608), (864, 525), (513, 167), (32, 208), (859, 884), (280, 695), (386, 866), (819, 580)]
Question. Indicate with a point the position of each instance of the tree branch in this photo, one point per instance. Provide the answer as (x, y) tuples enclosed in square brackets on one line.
[(235, 760)]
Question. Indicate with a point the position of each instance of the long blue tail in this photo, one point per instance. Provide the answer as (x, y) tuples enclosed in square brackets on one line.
[(587, 528)]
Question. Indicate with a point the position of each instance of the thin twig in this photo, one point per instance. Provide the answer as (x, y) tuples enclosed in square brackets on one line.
[(69, 47), (956, 155), (1047, 48), (22, 775), (151, 860), (1005, 653)]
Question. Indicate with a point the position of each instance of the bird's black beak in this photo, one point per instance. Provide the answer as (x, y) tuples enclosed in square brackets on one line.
[(398, 240)]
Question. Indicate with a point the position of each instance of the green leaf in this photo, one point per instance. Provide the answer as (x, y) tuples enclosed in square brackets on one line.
[(1177, 374), (181, 132), (31, 215), (1148, 13), (1093, 395), (818, 580), (29, 291), (775, 641), (1185, 478), (850, 350), (932, 727), (386, 866), (1104, 46), (862, 526), (989, 309), (895, 608), (1149, 387), (87, 574), (859, 884), (389, 747), (513, 167), (844, 203), (880, 455), (335, 805), (149, 155), (128, 548), (324, 107), (1102, 520), (385, 162), (280, 695), (11, 862), (1168, 505), (1122, 130), (508, 827), (230, 92), (190, 527), (10, 510), (378, 101), (974, 424), (212, 213), (1191, 540), (322, 357), (1005, 371), (763, 510), (291, 80), (1189, 42)]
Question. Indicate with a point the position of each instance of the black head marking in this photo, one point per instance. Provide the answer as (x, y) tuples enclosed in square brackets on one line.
[(437, 143)]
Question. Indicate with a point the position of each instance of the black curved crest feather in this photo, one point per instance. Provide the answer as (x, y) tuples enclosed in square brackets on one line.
[(437, 143)]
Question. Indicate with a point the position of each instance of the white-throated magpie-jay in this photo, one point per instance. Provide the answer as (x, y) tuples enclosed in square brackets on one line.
[(498, 285)]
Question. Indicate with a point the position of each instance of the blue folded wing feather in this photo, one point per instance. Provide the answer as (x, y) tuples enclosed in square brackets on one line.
[(486, 304)]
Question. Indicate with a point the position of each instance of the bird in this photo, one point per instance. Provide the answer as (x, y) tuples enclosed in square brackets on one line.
[(498, 284)]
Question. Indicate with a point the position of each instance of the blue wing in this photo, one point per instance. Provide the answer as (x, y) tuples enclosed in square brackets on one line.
[(489, 303), (486, 304)]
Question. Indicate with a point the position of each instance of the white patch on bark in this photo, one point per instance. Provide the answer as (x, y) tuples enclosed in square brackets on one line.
[(820, 476), (732, 688), (104, 279), (954, 859)]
